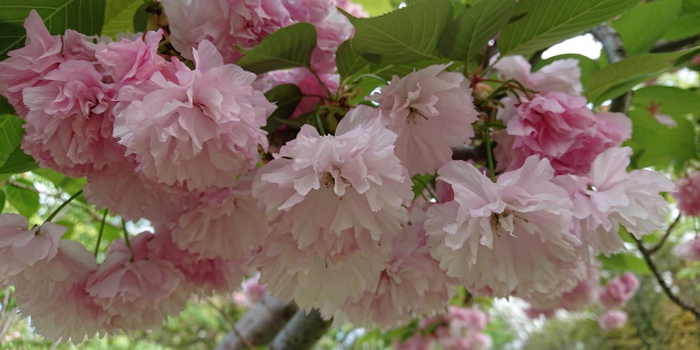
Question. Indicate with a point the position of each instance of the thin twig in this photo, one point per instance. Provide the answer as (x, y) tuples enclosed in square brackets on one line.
[(676, 45), (6, 325), (665, 237), (664, 286), (247, 343)]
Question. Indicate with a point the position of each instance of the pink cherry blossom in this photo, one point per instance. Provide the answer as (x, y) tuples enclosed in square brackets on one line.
[(131, 61), (26, 66), (459, 329), (619, 290), (199, 128), (609, 197), (430, 110), (411, 285), (612, 319), (226, 224), (687, 194), (444, 192), (562, 129), (689, 250), (134, 291), (509, 237), (53, 293), (583, 294), (69, 124), (21, 248), (225, 23), (307, 83), (561, 75), (253, 291), (205, 275), (123, 192)]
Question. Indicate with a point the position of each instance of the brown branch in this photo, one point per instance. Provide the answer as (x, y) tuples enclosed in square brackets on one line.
[(615, 50), (475, 153), (260, 324), (664, 286), (676, 45), (655, 248), (302, 331)]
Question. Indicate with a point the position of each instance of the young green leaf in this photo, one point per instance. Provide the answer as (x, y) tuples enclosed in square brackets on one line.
[(119, 16), (547, 22), (287, 98), (10, 134), (286, 48), (471, 31), (22, 198), (683, 27), (348, 61), (658, 145), (406, 35), (643, 25), (18, 162), (2, 201), (85, 16)]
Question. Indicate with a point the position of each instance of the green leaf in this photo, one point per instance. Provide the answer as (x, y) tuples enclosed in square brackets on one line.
[(672, 100), (18, 162), (406, 35), (588, 66), (376, 7), (24, 200), (2, 201), (10, 134), (691, 6), (85, 16), (617, 78), (348, 61), (387, 71), (547, 22), (286, 48), (119, 16), (72, 185), (287, 97), (54, 176), (469, 34), (140, 20), (684, 26), (657, 145), (643, 25), (6, 107), (625, 262)]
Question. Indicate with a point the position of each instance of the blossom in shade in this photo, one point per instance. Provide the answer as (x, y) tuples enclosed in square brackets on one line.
[(583, 294), (253, 291), (307, 83), (21, 247), (689, 250), (430, 110), (194, 128), (53, 294), (69, 123), (560, 75), (201, 274), (226, 23), (687, 194), (131, 61), (619, 290), (612, 319), (512, 237), (26, 66), (136, 291), (609, 197), (226, 224), (561, 128), (411, 285)]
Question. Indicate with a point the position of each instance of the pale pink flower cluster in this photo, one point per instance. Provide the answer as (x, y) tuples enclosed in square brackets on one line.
[(612, 319), (458, 329), (687, 194), (430, 110), (689, 250), (225, 23), (619, 290), (332, 200), (561, 75), (307, 83), (585, 293)]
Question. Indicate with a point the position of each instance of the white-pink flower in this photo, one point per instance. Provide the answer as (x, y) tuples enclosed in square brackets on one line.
[(134, 290), (227, 224), (253, 291), (53, 294), (689, 250), (512, 237), (583, 294), (687, 194), (22, 247), (195, 128), (225, 23), (619, 290), (131, 61), (430, 110), (561, 128), (411, 285), (609, 197), (612, 319), (561, 75)]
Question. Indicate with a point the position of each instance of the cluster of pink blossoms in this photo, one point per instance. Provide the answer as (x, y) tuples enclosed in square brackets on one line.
[(331, 221), (458, 329)]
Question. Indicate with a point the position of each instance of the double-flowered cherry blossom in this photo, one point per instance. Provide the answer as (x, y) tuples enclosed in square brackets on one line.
[(619, 290), (560, 75), (612, 319), (509, 237), (195, 128), (689, 250), (430, 110), (22, 247), (687, 194)]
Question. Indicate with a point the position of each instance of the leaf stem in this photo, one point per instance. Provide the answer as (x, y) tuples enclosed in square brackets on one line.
[(325, 88), (55, 212), (126, 235), (489, 153), (102, 228)]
